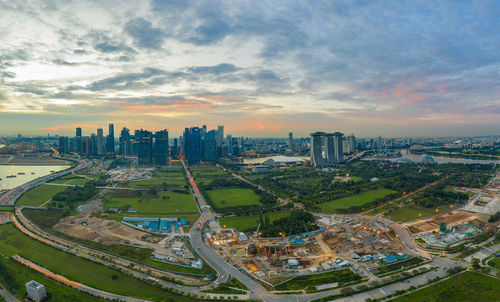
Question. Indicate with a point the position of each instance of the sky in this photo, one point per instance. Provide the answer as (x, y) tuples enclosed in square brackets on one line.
[(260, 68)]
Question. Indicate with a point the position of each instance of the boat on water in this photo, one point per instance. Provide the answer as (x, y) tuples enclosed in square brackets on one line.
[(21, 173), (52, 171), (32, 172), (11, 176)]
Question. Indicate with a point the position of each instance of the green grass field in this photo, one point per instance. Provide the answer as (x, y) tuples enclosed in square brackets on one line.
[(465, 287), (39, 195), (13, 242), (354, 200), (171, 183), (233, 197), (64, 179), (14, 276), (495, 263), (412, 212), (164, 202), (79, 181), (250, 223), (311, 281)]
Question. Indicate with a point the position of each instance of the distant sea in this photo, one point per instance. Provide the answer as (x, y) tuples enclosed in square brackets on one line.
[(10, 183)]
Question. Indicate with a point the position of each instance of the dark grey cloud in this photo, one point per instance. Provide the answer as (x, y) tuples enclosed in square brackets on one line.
[(101, 41), (143, 33), (79, 51), (214, 70), (64, 62)]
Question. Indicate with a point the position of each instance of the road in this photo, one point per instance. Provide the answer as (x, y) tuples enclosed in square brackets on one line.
[(7, 296)]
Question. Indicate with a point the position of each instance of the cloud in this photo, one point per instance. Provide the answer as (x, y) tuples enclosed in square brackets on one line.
[(143, 33)]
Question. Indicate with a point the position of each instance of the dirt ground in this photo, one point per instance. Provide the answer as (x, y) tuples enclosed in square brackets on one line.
[(451, 218), (106, 232)]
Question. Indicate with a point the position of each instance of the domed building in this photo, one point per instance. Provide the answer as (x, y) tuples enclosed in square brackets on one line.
[(427, 159), (403, 160)]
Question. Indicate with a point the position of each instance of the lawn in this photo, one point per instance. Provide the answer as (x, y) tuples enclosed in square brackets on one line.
[(13, 242), (64, 179), (162, 202), (311, 281), (329, 207), (464, 287), (409, 213), (398, 265), (495, 263), (79, 181), (170, 183), (250, 223), (14, 276), (39, 195), (233, 197)]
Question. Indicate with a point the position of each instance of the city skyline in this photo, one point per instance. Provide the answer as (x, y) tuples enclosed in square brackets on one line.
[(260, 69)]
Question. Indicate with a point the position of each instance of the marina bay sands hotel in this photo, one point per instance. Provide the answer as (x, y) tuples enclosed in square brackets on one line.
[(331, 143)]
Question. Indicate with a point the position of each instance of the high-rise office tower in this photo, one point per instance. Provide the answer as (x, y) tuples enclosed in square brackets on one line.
[(193, 145), (160, 149), (93, 144), (79, 139), (337, 139), (125, 144), (351, 144), (145, 148), (290, 140), (210, 146), (317, 149), (220, 135), (100, 141), (329, 147), (64, 146), (174, 148), (110, 142), (184, 145), (229, 145)]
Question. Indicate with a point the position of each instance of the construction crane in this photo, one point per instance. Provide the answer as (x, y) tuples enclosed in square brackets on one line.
[(257, 232)]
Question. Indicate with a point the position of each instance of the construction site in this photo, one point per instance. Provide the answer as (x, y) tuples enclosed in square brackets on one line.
[(168, 249), (340, 242)]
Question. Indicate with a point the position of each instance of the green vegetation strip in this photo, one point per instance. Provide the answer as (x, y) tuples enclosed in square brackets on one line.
[(465, 287), (311, 281), (396, 266), (329, 207)]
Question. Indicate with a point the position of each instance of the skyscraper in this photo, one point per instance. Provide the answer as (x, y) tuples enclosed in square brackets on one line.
[(337, 139), (125, 147), (110, 142), (329, 145), (210, 147), (317, 149), (79, 139), (174, 149), (290, 140), (100, 142), (193, 145), (220, 135), (229, 145), (160, 149), (145, 148)]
